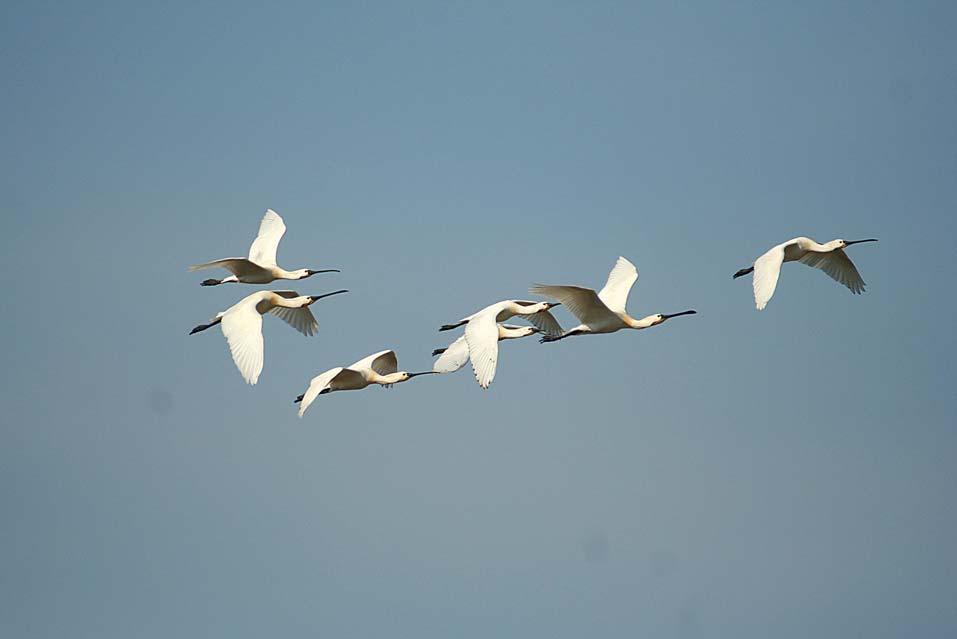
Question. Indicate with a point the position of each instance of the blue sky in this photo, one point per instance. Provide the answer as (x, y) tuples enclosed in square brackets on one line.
[(729, 474)]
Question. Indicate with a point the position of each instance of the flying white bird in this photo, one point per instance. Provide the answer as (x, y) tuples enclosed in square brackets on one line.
[(829, 257), (456, 354), (243, 325), (260, 267), (378, 368), (602, 312), (482, 332)]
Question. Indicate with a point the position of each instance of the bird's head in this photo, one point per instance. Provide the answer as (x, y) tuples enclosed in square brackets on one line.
[(312, 299), (660, 318), (303, 273), (845, 243), (403, 376), (550, 305)]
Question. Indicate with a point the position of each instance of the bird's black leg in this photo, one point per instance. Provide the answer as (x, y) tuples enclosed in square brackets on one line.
[(203, 327), (554, 338), (742, 272)]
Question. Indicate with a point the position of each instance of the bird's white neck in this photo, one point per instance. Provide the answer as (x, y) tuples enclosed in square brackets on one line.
[(507, 332), (391, 378), (282, 274), (291, 302), (807, 244), (645, 322), (519, 309)]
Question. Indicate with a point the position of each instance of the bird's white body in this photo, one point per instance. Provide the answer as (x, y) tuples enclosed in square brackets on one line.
[(379, 368), (828, 257), (482, 332), (456, 354), (260, 267), (604, 311), (242, 325)]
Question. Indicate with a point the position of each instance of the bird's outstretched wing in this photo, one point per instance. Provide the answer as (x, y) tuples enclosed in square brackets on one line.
[(583, 303), (383, 363), (300, 319), (620, 280), (544, 321), (838, 267), (243, 328), (238, 266), (481, 334), (767, 268), (453, 358), (264, 247), (318, 384)]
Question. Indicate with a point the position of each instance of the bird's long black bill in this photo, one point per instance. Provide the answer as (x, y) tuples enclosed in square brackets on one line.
[(411, 375), (325, 270), (319, 297), (680, 314), (848, 243)]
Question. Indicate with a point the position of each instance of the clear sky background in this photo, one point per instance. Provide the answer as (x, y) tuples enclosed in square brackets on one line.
[(789, 473)]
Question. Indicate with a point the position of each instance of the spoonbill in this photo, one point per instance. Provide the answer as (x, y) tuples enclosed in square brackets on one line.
[(379, 368), (602, 312), (829, 257), (243, 325), (482, 332), (456, 354), (260, 267)]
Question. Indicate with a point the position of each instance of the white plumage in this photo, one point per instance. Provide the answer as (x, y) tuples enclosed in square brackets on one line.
[(454, 356), (378, 368), (242, 325), (829, 257), (604, 311), (260, 267), (482, 332)]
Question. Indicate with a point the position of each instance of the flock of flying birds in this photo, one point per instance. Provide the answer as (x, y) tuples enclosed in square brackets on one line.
[(598, 312)]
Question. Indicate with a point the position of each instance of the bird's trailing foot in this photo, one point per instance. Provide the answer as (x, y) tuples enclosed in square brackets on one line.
[(298, 399), (554, 338), (203, 327), (438, 351), (211, 282), (742, 272)]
